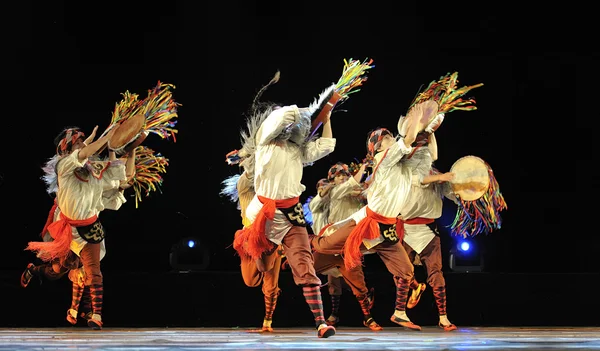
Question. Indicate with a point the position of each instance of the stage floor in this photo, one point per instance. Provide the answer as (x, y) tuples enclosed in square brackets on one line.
[(430, 338)]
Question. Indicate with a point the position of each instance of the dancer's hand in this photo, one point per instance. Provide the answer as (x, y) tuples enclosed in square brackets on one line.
[(90, 138), (435, 123)]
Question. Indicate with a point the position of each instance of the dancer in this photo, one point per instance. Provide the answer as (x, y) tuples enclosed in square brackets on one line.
[(285, 142), (282, 150), (345, 199), (423, 206), (268, 278), (374, 226), (73, 221)]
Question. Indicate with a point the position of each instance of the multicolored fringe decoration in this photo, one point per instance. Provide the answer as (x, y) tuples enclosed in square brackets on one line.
[(160, 110), (352, 77), (354, 167), (159, 107), (125, 108), (445, 93), (481, 215), (148, 169)]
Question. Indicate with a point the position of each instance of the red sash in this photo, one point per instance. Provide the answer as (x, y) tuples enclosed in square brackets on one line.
[(61, 231), (253, 236)]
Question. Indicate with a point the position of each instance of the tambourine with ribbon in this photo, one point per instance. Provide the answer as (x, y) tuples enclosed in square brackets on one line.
[(129, 135), (480, 199), (136, 119)]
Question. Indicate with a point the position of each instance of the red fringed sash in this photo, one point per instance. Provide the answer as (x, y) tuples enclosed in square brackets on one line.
[(61, 232), (252, 240), (367, 229)]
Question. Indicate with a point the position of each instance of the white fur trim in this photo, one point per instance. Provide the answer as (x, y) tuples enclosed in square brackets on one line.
[(229, 187), (323, 98)]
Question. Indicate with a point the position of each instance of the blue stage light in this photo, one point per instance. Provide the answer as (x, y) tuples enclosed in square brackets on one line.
[(189, 254), (466, 256)]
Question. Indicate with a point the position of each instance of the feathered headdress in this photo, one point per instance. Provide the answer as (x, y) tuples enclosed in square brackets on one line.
[(259, 111)]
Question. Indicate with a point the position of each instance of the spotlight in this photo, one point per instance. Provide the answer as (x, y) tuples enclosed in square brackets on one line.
[(189, 254), (466, 256)]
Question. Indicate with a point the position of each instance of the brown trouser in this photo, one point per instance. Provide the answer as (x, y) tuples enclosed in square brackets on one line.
[(354, 277), (57, 268), (393, 255), (51, 270), (296, 246), (269, 279), (334, 283), (431, 256), (90, 259)]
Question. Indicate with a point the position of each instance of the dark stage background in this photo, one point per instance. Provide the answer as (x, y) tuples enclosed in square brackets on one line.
[(70, 61)]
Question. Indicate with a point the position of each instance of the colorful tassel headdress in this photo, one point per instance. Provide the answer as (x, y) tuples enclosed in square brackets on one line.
[(480, 213), (336, 169), (353, 76), (444, 91), (148, 169), (65, 145), (159, 108), (374, 142)]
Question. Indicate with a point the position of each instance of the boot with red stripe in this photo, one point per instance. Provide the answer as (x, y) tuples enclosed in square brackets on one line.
[(415, 295), (325, 331), (406, 323)]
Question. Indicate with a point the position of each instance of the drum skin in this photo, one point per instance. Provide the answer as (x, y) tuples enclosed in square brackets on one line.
[(471, 178), (128, 135)]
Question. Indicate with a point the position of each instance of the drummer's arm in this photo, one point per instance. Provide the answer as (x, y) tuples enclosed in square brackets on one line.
[(130, 165), (440, 177), (93, 147), (433, 149)]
